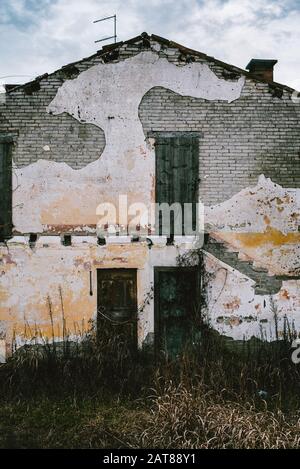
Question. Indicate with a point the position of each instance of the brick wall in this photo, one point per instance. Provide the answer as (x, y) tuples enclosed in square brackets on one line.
[(258, 133), (25, 117)]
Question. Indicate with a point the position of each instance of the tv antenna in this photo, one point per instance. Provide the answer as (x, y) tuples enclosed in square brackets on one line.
[(115, 28)]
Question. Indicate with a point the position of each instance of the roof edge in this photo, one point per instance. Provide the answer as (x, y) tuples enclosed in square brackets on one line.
[(106, 49)]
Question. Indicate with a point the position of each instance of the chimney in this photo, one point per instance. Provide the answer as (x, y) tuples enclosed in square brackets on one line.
[(262, 69)]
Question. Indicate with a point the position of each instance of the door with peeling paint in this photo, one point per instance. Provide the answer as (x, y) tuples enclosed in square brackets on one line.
[(117, 302), (175, 292)]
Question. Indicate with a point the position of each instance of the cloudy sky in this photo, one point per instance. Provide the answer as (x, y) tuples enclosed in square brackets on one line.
[(39, 36)]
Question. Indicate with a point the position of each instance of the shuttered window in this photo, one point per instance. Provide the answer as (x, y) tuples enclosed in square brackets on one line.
[(177, 166), (5, 189)]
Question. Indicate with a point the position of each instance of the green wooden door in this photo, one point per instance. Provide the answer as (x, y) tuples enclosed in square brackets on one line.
[(5, 190), (175, 293), (177, 166)]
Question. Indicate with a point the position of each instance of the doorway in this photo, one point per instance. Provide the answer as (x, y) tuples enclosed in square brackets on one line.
[(117, 302), (175, 293)]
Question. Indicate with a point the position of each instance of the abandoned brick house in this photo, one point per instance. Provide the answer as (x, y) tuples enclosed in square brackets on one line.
[(156, 122)]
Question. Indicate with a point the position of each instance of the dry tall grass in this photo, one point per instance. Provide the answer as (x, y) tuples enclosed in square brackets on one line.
[(198, 418), (215, 395)]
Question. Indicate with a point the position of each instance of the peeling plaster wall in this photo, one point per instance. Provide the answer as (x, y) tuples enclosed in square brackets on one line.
[(30, 276), (55, 138), (257, 133), (235, 310), (262, 223), (58, 195), (83, 142)]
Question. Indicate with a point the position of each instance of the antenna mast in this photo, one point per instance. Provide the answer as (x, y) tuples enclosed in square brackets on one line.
[(115, 28)]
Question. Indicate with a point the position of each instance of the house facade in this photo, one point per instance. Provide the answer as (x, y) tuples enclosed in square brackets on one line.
[(87, 151)]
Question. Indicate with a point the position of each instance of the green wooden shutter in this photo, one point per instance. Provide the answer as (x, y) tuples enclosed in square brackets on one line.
[(5, 190), (177, 165)]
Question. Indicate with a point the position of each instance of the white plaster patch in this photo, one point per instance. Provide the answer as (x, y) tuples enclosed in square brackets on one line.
[(261, 223), (251, 209), (236, 311), (108, 96)]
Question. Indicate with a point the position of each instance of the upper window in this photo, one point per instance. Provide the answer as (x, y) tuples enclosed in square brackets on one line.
[(177, 166), (5, 188)]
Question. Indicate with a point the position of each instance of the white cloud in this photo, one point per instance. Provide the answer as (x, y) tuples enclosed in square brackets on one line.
[(41, 36)]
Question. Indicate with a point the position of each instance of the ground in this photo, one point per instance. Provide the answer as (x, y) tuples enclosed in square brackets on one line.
[(103, 394), (68, 423)]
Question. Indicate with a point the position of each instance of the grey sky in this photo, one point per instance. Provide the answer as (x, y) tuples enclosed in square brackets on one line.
[(39, 36)]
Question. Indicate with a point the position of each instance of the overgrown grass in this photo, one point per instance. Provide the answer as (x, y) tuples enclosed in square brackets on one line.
[(102, 365), (101, 393), (176, 418), (199, 418), (69, 423)]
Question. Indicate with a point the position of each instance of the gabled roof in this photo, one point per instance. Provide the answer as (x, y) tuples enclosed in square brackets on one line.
[(107, 53)]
